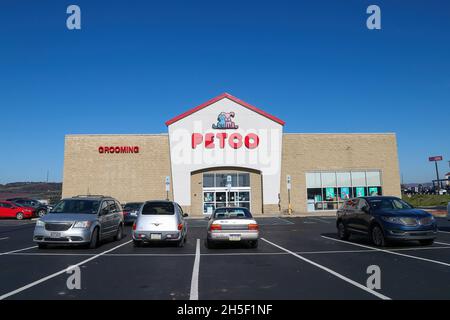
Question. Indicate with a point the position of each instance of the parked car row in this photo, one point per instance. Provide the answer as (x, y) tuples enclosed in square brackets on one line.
[(22, 208), (87, 220)]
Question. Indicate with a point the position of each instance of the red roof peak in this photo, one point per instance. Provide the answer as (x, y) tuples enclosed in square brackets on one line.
[(220, 97)]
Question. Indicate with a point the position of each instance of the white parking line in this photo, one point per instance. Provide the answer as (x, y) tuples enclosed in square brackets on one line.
[(10, 252), (389, 251), (340, 276), (318, 219), (6, 238), (444, 243), (443, 231), (194, 282), (447, 246), (9, 294), (285, 221)]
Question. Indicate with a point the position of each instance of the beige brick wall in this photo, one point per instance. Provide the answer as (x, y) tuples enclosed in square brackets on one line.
[(139, 177), (321, 152), (127, 177)]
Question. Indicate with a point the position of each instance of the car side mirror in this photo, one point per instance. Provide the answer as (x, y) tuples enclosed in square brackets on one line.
[(104, 212), (185, 215), (365, 209)]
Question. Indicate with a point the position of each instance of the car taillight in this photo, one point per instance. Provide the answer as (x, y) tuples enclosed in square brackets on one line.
[(180, 226), (215, 227), (253, 226), (134, 226)]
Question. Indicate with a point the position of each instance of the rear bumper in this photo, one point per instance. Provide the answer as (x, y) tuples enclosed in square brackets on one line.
[(146, 236), (229, 235), (129, 219)]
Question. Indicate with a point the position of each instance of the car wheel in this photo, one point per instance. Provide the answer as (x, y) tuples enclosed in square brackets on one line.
[(94, 239), (343, 233), (42, 245), (180, 243), (427, 242), (137, 243), (378, 238), (209, 244), (41, 213), (253, 244), (119, 234), (19, 216)]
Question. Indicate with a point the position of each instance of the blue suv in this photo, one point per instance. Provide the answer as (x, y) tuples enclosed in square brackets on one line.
[(384, 219)]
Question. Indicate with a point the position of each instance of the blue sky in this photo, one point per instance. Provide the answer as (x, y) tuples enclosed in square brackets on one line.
[(136, 64)]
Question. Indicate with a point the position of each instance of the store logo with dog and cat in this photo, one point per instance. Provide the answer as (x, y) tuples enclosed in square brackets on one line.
[(225, 121)]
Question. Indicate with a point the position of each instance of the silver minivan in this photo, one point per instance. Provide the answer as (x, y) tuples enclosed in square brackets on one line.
[(160, 221), (80, 220)]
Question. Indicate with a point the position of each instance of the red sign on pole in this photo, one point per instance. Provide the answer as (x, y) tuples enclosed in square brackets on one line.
[(436, 158)]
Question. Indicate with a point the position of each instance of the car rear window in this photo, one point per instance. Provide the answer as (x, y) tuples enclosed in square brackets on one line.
[(132, 206), (232, 213), (158, 208)]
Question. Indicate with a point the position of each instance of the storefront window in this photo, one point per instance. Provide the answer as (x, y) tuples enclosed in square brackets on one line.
[(328, 190), (208, 180), (244, 180)]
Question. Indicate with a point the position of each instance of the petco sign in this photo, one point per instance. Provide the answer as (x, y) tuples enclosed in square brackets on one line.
[(221, 139), (225, 132)]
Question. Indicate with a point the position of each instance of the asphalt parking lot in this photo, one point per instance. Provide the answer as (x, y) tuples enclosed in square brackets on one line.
[(298, 258)]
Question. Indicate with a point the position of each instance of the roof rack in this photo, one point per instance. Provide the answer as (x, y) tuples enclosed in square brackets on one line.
[(91, 196)]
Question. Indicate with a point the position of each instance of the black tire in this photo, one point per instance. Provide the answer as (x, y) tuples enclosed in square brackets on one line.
[(209, 244), (426, 242), (137, 243), (41, 213), (94, 239), (42, 245), (377, 236), (180, 243), (119, 234), (343, 233), (19, 216), (253, 244)]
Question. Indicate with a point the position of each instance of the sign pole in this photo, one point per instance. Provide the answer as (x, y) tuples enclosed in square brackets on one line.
[(289, 186), (437, 176), (436, 159)]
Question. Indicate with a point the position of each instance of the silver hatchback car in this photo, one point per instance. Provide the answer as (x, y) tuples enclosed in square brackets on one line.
[(160, 221), (80, 220), (232, 224)]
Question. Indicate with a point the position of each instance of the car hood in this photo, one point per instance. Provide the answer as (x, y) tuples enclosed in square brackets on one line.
[(410, 213), (62, 217)]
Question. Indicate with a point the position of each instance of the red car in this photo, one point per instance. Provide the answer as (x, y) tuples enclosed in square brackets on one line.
[(11, 210)]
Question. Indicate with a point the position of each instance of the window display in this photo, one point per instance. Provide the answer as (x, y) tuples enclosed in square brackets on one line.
[(328, 190)]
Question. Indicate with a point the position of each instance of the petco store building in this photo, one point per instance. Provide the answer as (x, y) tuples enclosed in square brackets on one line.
[(227, 152)]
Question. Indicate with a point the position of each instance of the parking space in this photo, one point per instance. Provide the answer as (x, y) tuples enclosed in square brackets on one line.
[(297, 258)]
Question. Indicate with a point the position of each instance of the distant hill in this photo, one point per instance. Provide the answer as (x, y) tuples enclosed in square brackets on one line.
[(37, 190)]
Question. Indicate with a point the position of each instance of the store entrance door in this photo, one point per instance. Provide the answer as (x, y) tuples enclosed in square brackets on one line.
[(221, 197)]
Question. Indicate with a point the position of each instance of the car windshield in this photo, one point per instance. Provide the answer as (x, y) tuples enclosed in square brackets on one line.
[(232, 213), (158, 208), (132, 206), (77, 206), (389, 204)]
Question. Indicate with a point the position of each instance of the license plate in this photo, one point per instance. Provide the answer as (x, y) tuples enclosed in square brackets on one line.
[(234, 237), (55, 234), (155, 236)]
